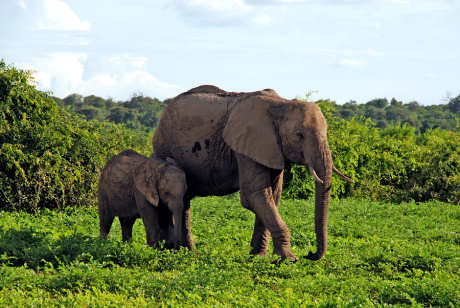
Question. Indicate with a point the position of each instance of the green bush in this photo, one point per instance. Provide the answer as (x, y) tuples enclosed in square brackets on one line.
[(387, 164), (48, 157)]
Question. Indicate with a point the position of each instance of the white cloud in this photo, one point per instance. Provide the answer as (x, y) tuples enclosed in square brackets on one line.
[(122, 86), (211, 12), (128, 60), (430, 76), (274, 2), (57, 15), (352, 53), (224, 12), (220, 6), (63, 73), (353, 63), (263, 20), (60, 72), (22, 4)]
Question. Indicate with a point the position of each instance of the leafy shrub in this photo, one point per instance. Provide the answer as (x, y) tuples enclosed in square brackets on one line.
[(48, 157), (387, 164)]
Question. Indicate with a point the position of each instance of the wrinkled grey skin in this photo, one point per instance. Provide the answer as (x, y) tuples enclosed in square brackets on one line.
[(228, 141), (132, 186)]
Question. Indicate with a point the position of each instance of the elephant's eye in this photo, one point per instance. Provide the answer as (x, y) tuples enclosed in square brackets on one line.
[(300, 135)]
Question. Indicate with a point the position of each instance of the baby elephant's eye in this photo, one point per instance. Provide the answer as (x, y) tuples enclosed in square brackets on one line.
[(300, 135)]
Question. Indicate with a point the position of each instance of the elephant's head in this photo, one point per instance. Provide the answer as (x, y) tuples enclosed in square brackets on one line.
[(159, 180), (270, 130)]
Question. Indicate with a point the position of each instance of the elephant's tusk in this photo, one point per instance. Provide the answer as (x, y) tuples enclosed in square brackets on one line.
[(344, 177), (315, 176)]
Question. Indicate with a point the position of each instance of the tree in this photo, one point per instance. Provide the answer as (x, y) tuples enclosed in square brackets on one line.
[(73, 100), (395, 102), (454, 105), (91, 112), (95, 101), (119, 114), (378, 103)]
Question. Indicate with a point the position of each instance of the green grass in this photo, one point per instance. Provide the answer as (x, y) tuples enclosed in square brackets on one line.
[(379, 254)]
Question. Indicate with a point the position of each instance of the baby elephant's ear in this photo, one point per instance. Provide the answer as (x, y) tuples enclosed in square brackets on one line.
[(145, 180)]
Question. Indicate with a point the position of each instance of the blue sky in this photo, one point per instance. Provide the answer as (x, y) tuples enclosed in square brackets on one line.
[(340, 49)]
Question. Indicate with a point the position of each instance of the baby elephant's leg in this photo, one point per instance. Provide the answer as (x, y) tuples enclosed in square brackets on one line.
[(165, 226), (127, 227), (152, 230)]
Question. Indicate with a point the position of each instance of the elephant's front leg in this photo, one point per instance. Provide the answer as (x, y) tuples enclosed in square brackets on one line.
[(257, 195), (149, 215), (261, 234)]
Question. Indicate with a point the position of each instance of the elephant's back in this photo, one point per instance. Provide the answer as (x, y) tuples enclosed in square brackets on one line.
[(116, 177), (190, 131)]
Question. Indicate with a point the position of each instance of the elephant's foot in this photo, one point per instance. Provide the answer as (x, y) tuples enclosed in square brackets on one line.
[(285, 254), (281, 245), (259, 244), (258, 252), (260, 239)]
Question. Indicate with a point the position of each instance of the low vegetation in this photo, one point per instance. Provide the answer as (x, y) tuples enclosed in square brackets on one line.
[(379, 254)]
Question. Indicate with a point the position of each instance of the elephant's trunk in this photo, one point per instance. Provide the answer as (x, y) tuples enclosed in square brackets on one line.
[(323, 164)]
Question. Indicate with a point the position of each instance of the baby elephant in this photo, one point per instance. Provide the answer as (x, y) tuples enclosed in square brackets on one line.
[(133, 186)]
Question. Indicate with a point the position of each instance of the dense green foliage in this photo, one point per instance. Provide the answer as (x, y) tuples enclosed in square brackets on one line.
[(140, 112), (394, 163), (379, 254), (386, 114), (48, 157)]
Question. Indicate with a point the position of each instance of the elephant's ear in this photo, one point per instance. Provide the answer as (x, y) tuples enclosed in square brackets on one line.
[(145, 180), (250, 131), (172, 161)]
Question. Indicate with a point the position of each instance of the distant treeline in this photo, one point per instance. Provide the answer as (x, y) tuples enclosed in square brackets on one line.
[(142, 112), (388, 113)]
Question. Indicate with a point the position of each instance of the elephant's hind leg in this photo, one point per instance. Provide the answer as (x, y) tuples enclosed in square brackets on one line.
[(127, 227), (105, 223), (105, 216)]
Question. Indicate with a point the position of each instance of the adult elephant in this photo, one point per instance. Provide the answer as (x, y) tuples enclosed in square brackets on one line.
[(228, 141)]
